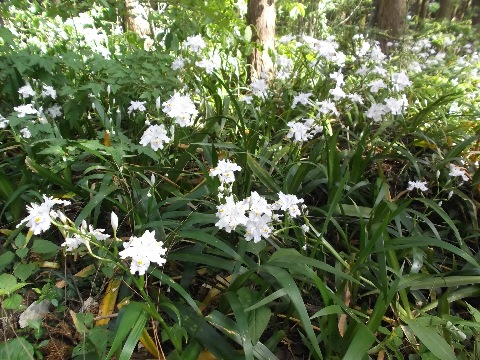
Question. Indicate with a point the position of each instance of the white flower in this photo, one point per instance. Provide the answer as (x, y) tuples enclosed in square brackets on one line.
[(225, 171), (301, 98), (257, 205), (259, 88), (143, 251), (305, 228), (178, 63), (155, 136), (337, 93), (376, 112), (26, 91), (298, 131), (327, 106), (211, 64), (400, 81), (26, 134), (181, 108), (259, 228), (25, 109), (136, 105), (288, 203), (231, 214), (39, 218), (394, 106), (195, 43), (54, 111), (338, 77), (356, 98), (3, 122), (73, 242), (458, 171), (246, 98), (158, 102), (377, 85), (49, 91), (421, 185)]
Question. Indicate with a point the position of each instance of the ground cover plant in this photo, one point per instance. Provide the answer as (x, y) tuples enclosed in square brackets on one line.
[(154, 191)]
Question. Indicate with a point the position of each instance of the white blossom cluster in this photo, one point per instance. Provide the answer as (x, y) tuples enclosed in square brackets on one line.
[(181, 108), (254, 214), (143, 251), (225, 171), (40, 216), (83, 237), (304, 130)]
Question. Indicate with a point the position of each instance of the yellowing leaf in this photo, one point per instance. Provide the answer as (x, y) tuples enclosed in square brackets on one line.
[(108, 302)]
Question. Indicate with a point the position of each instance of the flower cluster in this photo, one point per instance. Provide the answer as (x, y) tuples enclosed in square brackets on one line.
[(420, 185), (143, 250), (40, 216), (303, 131), (181, 108), (255, 214), (155, 136), (136, 106), (225, 171), (83, 237)]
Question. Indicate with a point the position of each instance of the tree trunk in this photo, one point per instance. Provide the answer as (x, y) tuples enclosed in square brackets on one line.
[(261, 19), (136, 19), (446, 10), (476, 13), (391, 18), (424, 9)]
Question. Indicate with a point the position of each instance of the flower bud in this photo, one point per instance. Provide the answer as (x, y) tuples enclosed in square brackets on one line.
[(114, 221)]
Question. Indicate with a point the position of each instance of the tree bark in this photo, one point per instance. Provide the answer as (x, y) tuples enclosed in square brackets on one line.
[(476, 13), (261, 19), (424, 9), (391, 18), (446, 10), (136, 19)]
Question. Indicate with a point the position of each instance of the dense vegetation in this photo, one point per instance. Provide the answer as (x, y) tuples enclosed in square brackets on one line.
[(153, 191)]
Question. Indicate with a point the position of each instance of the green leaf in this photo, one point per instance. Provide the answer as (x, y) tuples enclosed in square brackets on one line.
[(94, 202), (130, 314), (288, 283), (17, 349), (8, 284), (242, 324), (133, 337), (262, 175), (258, 321), (44, 246), (6, 259), (13, 302), (23, 271), (432, 340)]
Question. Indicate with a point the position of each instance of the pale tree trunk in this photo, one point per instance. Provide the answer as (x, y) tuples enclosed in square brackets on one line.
[(261, 19), (446, 10), (391, 18), (136, 19)]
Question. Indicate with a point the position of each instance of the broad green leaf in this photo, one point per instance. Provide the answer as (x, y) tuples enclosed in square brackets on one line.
[(24, 270), (13, 302), (258, 321), (44, 246), (6, 259), (17, 349), (8, 284)]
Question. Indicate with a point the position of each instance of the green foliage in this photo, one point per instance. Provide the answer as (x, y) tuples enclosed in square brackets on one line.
[(381, 256)]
